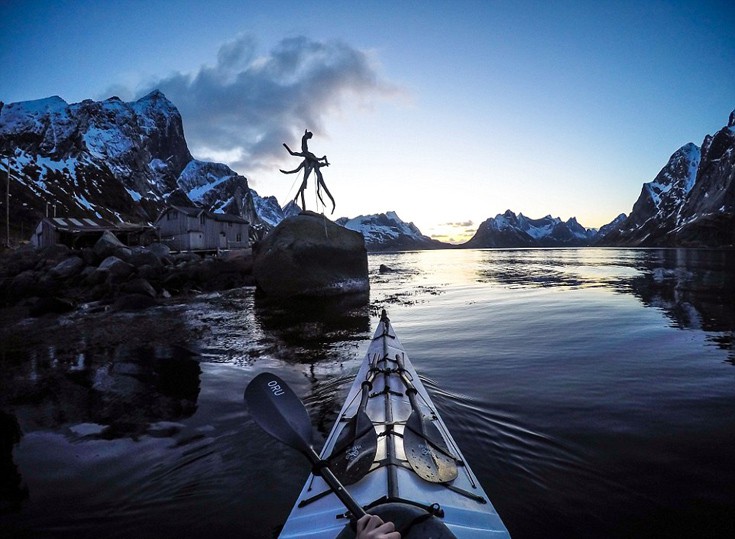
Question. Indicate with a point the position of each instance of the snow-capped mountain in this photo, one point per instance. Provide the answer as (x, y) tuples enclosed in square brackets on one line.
[(511, 230), (690, 202), (111, 159), (387, 232), (615, 224)]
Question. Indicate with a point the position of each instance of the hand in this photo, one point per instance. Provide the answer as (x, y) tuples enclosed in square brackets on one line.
[(373, 527)]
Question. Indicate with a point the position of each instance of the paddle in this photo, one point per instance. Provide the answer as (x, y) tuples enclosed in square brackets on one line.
[(276, 408), (425, 447), (354, 451)]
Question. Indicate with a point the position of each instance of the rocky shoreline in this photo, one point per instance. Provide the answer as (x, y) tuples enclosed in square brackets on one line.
[(111, 275)]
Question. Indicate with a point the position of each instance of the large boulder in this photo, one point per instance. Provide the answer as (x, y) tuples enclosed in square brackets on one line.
[(107, 244), (309, 255), (67, 268)]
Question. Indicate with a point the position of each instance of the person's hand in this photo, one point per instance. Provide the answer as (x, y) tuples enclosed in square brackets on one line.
[(373, 527)]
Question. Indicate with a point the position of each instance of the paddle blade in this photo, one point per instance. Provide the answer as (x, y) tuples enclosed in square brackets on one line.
[(276, 408), (355, 449), (426, 450)]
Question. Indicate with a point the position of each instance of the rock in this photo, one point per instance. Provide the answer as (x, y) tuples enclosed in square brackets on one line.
[(54, 253), (139, 286), (144, 257), (385, 269), (24, 284), (134, 302), (67, 268), (116, 267), (49, 305), (21, 260), (150, 273), (186, 257), (90, 257), (123, 253), (160, 250), (309, 255), (107, 244)]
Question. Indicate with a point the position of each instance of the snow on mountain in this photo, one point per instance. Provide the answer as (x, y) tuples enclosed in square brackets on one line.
[(511, 230), (615, 224), (268, 209), (112, 159), (387, 231), (691, 202)]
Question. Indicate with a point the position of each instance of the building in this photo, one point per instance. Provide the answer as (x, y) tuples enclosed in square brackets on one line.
[(78, 232), (195, 229)]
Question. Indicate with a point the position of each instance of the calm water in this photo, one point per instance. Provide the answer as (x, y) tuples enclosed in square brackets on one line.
[(592, 391)]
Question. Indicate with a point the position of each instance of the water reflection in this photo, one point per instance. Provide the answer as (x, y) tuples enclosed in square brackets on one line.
[(306, 331), (12, 490), (102, 393), (693, 287)]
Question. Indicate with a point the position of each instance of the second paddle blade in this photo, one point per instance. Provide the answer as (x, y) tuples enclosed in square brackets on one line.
[(355, 449), (427, 452)]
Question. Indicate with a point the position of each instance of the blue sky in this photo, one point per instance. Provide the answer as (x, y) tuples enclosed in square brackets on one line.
[(445, 112)]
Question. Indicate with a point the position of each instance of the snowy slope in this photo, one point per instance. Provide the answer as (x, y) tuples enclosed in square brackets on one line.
[(387, 231), (110, 159), (511, 230)]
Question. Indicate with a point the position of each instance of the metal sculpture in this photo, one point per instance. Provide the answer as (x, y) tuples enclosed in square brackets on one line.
[(310, 162)]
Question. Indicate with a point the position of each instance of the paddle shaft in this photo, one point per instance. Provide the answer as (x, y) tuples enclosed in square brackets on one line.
[(367, 385), (337, 487), (410, 388)]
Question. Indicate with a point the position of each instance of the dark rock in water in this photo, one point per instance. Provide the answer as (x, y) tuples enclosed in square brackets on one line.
[(385, 269), (309, 255), (139, 286), (50, 305), (134, 302)]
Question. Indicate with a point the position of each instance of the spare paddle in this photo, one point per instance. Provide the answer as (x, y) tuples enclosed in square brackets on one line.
[(354, 451), (276, 408), (425, 447)]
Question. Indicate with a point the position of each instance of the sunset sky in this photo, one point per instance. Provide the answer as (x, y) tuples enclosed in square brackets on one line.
[(446, 112)]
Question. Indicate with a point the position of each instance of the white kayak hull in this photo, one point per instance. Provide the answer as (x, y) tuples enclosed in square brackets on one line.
[(462, 504)]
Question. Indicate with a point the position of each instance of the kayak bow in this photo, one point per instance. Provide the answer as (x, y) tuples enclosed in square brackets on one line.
[(418, 477)]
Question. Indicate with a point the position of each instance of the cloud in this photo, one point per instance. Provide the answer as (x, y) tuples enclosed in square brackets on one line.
[(247, 105), (459, 224)]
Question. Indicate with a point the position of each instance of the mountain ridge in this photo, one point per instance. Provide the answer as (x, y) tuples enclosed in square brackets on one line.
[(690, 202), (127, 161)]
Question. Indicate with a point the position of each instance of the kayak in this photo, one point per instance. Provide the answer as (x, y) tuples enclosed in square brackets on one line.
[(395, 456)]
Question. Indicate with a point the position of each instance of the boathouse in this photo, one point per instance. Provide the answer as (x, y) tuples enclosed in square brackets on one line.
[(195, 229), (78, 232)]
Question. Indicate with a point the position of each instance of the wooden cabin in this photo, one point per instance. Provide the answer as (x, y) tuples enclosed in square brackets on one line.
[(78, 232), (195, 229)]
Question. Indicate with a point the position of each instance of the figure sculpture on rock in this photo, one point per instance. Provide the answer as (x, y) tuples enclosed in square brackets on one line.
[(310, 162)]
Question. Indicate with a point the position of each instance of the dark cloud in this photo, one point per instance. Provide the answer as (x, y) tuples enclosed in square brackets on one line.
[(247, 105)]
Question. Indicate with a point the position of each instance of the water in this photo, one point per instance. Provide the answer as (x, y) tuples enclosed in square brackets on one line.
[(591, 390)]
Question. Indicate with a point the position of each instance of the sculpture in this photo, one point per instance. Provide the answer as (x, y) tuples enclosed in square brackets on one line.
[(310, 162)]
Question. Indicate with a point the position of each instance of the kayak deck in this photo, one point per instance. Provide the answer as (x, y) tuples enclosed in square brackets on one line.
[(460, 503)]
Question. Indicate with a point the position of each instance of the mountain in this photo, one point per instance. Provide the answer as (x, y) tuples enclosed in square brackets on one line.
[(115, 160), (615, 224), (387, 232), (691, 202), (511, 230)]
